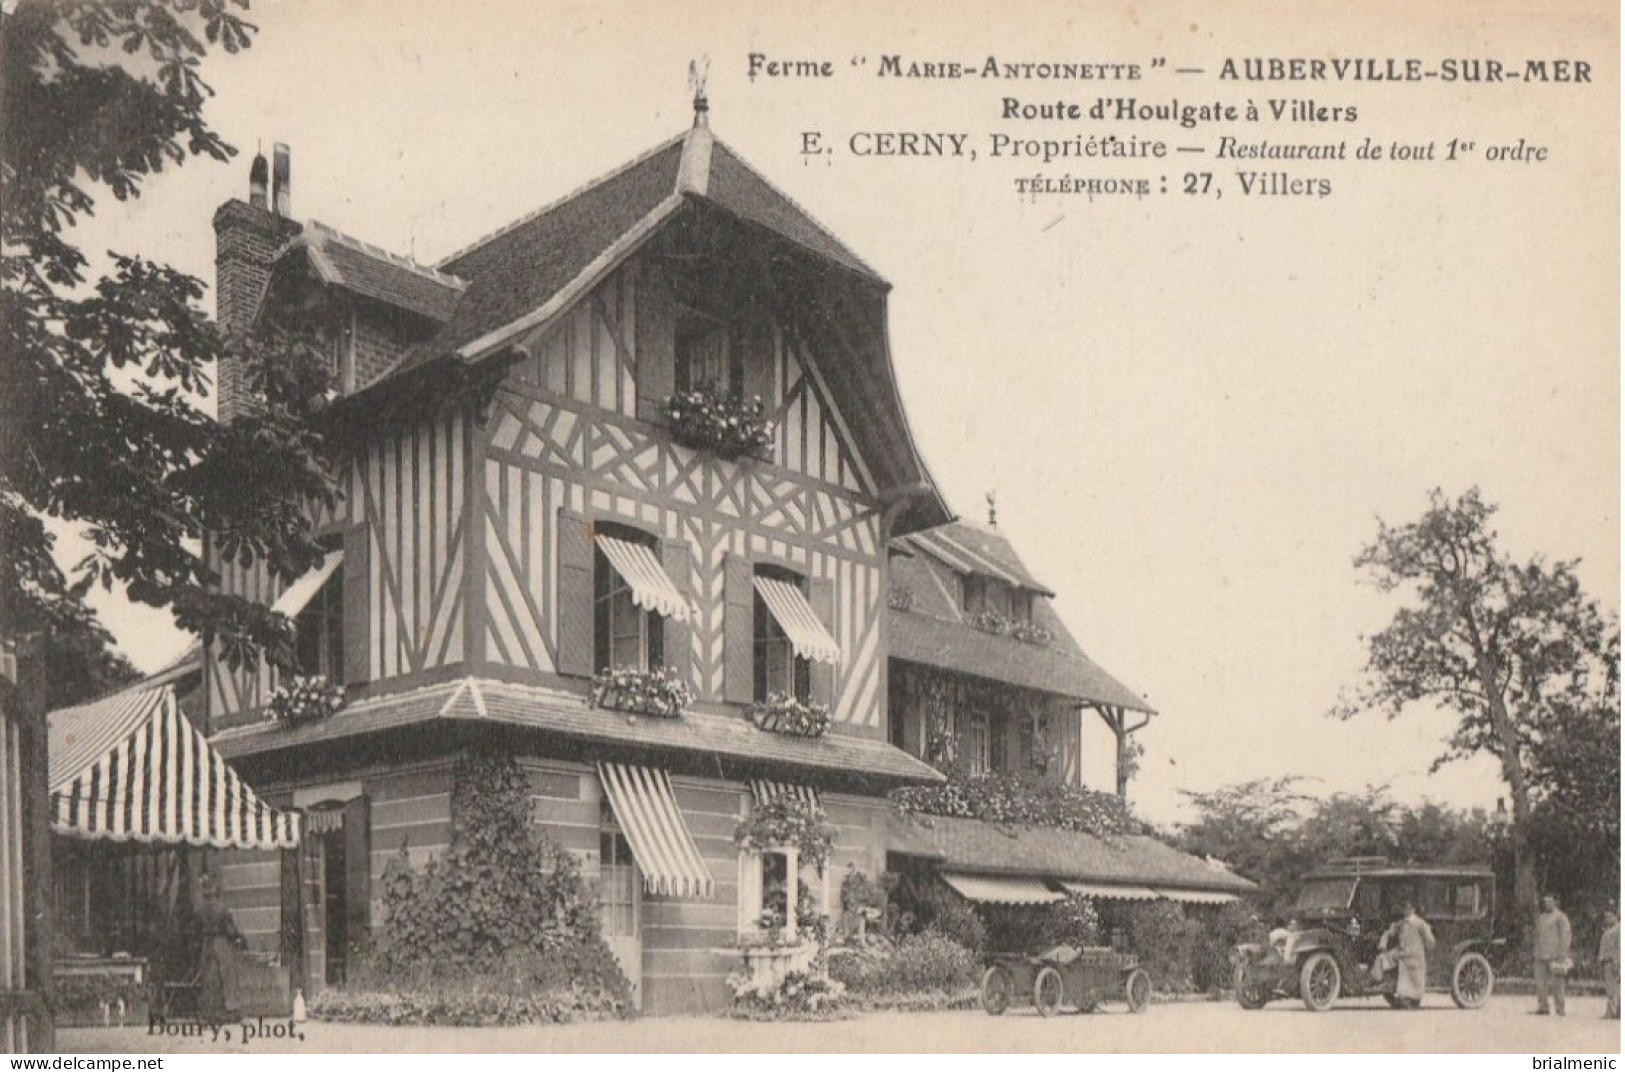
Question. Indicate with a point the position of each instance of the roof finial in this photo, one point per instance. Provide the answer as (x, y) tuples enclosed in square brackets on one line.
[(698, 72), (992, 510)]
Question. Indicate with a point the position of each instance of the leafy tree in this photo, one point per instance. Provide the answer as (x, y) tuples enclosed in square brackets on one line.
[(100, 381), (1517, 652), (1253, 828)]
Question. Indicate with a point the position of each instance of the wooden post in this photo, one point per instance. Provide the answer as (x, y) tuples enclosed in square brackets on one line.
[(792, 887), (28, 705)]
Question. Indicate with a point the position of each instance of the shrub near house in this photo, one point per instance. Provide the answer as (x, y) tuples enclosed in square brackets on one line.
[(501, 930)]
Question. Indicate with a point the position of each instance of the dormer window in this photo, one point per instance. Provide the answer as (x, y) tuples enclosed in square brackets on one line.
[(986, 595), (707, 358)]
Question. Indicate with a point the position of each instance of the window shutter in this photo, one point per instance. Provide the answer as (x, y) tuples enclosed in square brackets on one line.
[(357, 605), (357, 870), (674, 557), (756, 342), (750, 891), (739, 631), (575, 606), (821, 597)]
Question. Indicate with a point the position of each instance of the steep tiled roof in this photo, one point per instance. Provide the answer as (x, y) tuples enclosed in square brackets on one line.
[(735, 186), (520, 267), (973, 549), (990, 848), (935, 632), (480, 701), (919, 638), (364, 269)]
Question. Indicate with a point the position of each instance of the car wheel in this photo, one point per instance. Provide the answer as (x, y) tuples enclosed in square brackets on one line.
[(1320, 981), (1048, 991), (997, 986), (1249, 995), (1472, 982), (1137, 990)]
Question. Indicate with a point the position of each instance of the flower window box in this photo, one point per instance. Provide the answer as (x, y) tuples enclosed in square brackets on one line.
[(790, 716), (727, 425), (659, 692), (305, 699)]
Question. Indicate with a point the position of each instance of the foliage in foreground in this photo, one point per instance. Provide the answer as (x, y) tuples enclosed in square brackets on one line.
[(929, 963), (501, 929)]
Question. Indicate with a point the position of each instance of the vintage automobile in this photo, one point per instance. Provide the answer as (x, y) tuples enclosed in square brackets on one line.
[(1328, 947), (1065, 975)]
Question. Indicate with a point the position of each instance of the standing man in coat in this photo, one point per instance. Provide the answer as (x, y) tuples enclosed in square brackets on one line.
[(1552, 940), (1608, 958)]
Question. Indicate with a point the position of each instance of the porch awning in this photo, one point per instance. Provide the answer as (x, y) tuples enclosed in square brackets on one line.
[(1111, 893), (1207, 897), (132, 768), (642, 800), (299, 594), (764, 791), (1002, 889), (652, 588), (795, 615)]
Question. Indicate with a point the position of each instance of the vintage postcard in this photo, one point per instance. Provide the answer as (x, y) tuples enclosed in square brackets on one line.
[(810, 526)]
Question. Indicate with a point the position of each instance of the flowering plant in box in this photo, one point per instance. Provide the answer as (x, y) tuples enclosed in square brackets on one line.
[(786, 714), (304, 699), (729, 425), (784, 821), (648, 692)]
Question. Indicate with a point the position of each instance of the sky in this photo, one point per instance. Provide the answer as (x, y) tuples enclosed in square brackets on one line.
[(1192, 409)]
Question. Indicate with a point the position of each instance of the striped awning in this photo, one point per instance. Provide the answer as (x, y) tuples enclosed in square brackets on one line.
[(144, 773), (298, 595), (1208, 897), (1111, 893), (764, 791), (795, 616), (652, 588), (642, 800), (1002, 889)]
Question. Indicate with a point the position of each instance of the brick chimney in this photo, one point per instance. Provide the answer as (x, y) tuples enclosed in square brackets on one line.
[(246, 236)]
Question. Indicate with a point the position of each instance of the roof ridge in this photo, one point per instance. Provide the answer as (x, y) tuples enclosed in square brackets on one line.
[(330, 233), (797, 205), (557, 201)]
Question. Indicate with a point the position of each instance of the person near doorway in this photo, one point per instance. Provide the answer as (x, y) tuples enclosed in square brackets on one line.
[(221, 939), (1553, 938)]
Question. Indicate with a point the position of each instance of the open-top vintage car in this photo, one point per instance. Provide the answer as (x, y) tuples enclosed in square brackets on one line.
[(1065, 975), (1328, 948)]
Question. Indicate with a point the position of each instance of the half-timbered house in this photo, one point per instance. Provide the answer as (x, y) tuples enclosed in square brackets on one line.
[(498, 546)]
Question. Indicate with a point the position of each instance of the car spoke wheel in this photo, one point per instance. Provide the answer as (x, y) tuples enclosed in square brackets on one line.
[(997, 986), (1320, 982), (1249, 994), (1048, 991), (1137, 990), (1472, 982)]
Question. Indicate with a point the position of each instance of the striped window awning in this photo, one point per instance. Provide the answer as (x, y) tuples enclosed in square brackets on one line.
[(1002, 889), (1111, 893), (764, 791), (643, 803), (652, 588), (132, 768), (795, 616), (298, 595), (1207, 897)]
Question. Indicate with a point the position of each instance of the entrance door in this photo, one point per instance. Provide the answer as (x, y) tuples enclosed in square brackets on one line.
[(335, 907), (620, 893)]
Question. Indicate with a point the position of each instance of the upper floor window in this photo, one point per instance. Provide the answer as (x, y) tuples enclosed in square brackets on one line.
[(986, 595), (777, 666), (708, 356), (318, 618), (975, 744), (625, 635)]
